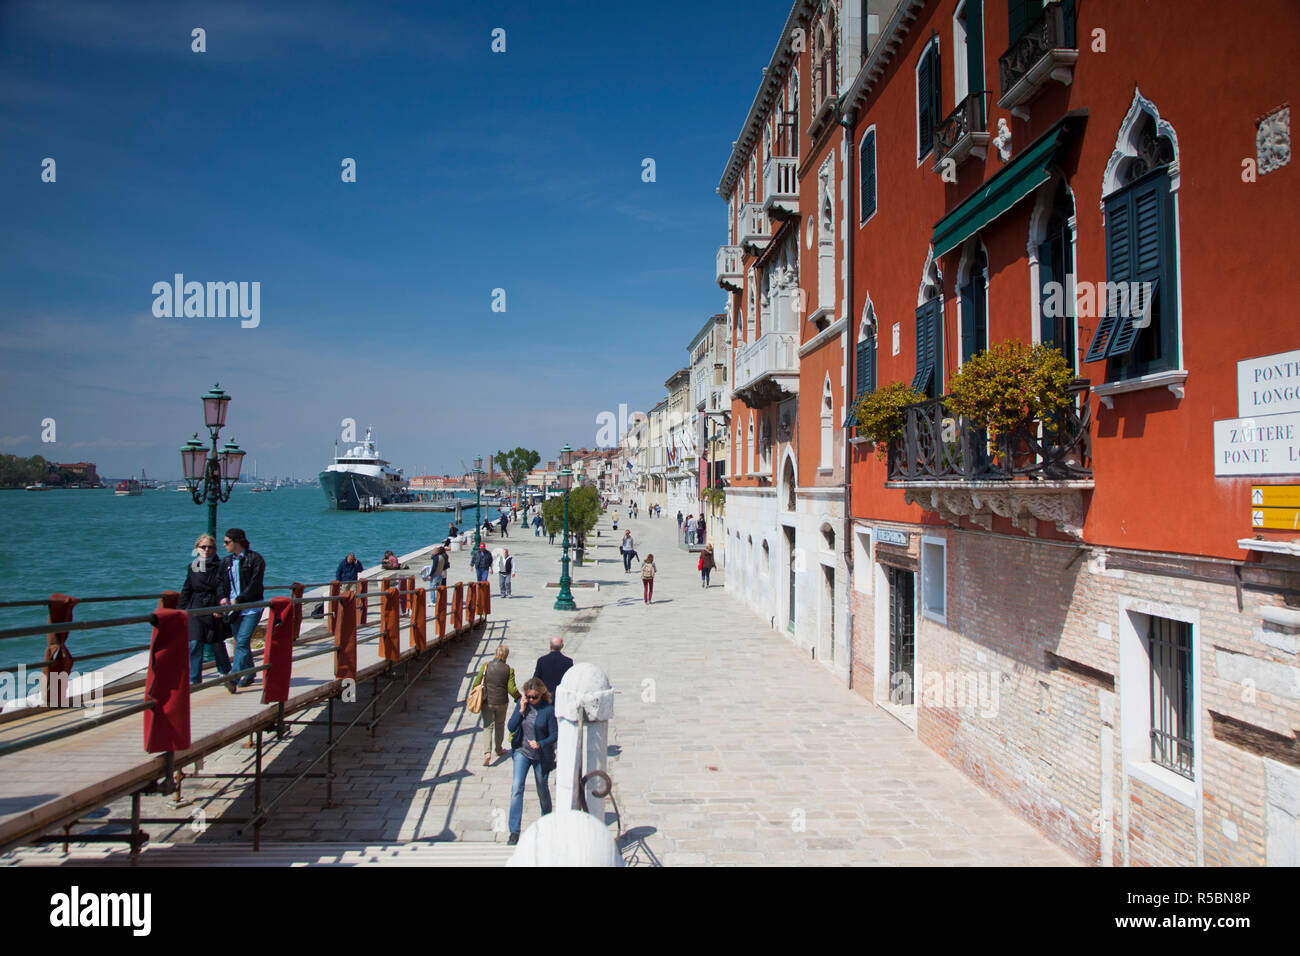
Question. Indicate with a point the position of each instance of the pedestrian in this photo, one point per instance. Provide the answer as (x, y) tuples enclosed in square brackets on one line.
[(506, 570), (701, 525), (537, 525), (242, 571), (202, 581), (679, 520), (628, 548), (498, 680), (552, 534), (438, 566), (348, 571), (648, 577), (552, 667), (533, 732), (481, 562), (615, 520), (706, 565), (690, 529), (580, 548), (505, 520)]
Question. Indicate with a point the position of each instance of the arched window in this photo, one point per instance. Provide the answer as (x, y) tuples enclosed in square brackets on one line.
[(827, 423), (1055, 276), (929, 378), (929, 99), (974, 303), (749, 444), (788, 482), (864, 366), (867, 176)]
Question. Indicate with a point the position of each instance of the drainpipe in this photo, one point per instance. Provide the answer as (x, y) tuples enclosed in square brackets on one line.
[(850, 360)]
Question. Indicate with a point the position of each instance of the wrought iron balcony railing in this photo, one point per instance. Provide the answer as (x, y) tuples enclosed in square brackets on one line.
[(1045, 51), (938, 445), (963, 132)]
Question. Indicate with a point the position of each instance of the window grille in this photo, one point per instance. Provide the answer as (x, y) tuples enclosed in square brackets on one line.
[(1170, 644)]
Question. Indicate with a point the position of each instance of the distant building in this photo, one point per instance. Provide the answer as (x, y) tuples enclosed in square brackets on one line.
[(79, 473)]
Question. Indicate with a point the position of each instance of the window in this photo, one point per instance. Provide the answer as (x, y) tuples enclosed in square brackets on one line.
[(1020, 16), (1055, 273), (928, 99), (1170, 646), (934, 581), (974, 306), (1138, 332), (968, 49), (867, 177), (929, 349), (865, 365), (827, 424), (862, 571)]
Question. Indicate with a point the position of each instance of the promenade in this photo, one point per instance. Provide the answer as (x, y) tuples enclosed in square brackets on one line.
[(728, 746)]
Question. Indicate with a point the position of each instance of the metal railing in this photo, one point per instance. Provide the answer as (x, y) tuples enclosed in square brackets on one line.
[(969, 117), (1053, 29), (938, 444)]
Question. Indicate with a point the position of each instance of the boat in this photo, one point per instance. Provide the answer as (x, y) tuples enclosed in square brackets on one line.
[(360, 475), (39, 486), (128, 487)]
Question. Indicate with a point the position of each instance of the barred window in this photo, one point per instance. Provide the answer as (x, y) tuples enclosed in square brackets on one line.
[(1170, 647)]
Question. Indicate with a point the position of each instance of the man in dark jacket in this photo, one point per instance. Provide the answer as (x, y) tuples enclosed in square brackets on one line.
[(481, 562), (242, 570), (551, 667), (347, 572)]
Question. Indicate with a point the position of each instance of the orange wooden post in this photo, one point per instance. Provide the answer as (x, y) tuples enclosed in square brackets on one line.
[(363, 585), (471, 601), (390, 626), (458, 606), (345, 659), (418, 638), (440, 610), (296, 590), (485, 599), (332, 615), (58, 659)]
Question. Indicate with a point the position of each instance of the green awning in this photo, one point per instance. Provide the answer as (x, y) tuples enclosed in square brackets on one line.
[(1012, 183)]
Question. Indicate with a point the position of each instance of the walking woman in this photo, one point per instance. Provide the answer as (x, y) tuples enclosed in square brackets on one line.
[(706, 565), (240, 582), (498, 679), (648, 577), (533, 732), (200, 591), (628, 549)]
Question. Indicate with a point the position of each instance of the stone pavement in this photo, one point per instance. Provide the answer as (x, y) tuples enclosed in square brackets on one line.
[(728, 746)]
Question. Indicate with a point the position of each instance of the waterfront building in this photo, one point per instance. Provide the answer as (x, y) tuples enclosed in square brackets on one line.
[(710, 403), (652, 489), (680, 462), (1095, 617)]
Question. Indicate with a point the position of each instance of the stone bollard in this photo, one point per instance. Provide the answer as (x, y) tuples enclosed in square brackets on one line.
[(567, 838), (584, 690)]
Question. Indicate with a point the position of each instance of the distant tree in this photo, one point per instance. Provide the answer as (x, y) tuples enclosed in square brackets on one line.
[(517, 464), (584, 512), (18, 472)]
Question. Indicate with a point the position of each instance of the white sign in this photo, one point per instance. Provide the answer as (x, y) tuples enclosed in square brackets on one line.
[(885, 536), (1269, 385), (1264, 445)]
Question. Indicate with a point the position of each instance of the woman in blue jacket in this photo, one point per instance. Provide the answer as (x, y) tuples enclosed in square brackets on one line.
[(533, 732)]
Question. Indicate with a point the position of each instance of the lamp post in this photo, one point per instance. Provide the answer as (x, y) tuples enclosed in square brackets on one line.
[(478, 486), (564, 602), (210, 474)]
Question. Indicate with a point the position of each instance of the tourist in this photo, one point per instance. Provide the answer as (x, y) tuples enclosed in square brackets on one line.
[(679, 520), (580, 548), (615, 520), (438, 566), (533, 732), (202, 582), (348, 571), (537, 525), (242, 570), (648, 577), (506, 570), (452, 531), (552, 667), (706, 565), (628, 549), (690, 529), (505, 520), (701, 525), (391, 562), (498, 679), (481, 562)]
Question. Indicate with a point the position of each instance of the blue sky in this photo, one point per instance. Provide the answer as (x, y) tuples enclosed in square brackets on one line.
[(475, 171)]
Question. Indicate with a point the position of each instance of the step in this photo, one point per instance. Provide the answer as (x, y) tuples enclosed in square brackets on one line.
[(415, 853)]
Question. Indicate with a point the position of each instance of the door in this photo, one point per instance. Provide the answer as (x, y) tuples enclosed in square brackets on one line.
[(902, 637), (828, 595), (793, 555)]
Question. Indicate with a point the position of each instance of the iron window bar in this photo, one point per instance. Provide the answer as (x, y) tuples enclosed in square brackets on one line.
[(1170, 644)]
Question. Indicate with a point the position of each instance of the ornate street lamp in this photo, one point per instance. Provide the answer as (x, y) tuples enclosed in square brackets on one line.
[(210, 475), (564, 602), (478, 486)]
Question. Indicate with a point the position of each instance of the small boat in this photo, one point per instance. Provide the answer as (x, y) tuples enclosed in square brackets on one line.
[(39, 486), (128, 487)]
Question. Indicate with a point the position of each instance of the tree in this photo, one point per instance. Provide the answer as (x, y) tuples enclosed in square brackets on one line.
[(584, 512), (517, 464)]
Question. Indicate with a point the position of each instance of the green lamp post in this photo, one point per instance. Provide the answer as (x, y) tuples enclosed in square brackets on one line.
[(478, 486), (564, 602), (209, 474)]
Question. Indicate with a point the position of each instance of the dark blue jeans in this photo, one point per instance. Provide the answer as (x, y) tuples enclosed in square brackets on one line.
[(244, 627), (197, 634), (521, 765)]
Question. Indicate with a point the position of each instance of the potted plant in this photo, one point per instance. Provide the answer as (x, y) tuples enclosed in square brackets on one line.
[(1011, 385), (880, 414)]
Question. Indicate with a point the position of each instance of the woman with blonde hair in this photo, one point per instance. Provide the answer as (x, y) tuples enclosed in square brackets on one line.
[(498, 679), (533, 733), (200, 591), (648, 577)]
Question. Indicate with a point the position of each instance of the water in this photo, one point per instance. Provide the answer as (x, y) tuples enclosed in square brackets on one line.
[(91, 542)]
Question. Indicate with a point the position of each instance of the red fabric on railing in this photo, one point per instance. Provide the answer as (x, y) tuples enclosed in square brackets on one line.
[(58, 659), (167, 725), (458, 606), (440, 610), (277, 653), (363, 602), (418, 638), (471, 601), (345, 660), (332, 616), (390, 648), (485, 599)]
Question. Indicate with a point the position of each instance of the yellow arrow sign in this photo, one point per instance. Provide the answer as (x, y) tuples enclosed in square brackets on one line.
[(1276, 519), (1275, 496)]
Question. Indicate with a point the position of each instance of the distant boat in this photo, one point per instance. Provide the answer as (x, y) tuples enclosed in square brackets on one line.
[(128, 487), (359, 474), (39, 486)]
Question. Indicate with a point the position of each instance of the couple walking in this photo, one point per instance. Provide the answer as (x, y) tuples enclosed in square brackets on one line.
[(533, 727)]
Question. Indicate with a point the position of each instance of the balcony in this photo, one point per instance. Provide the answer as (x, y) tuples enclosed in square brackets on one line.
[(781, 187), (755, 228), (1037, 473), (1045, 51), (963, 133), (730, 275), (768, 370)]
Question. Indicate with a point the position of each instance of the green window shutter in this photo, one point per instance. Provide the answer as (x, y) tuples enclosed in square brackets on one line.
[(929, 379), (968, 334), (865, 370), (1048, 325), (1136, 305), (975, 45), (1021, 13), (867, 183), (936, 90), (1119, 244), (925, 99)]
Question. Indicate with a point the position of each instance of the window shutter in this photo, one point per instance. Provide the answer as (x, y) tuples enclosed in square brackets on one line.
[(936, 90), (1021, 13), (1133, 306), (924, 99), (867, 165), (975, 46), (927, 349), (1119, 241), (968, 340), (865, 370), (1048, 325)]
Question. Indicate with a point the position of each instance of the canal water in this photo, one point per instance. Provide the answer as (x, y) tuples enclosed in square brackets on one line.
[(91, 542)]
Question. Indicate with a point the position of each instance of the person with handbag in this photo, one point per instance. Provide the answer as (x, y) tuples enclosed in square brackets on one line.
[(489, 695), (533, 733), (200, 591), (706, 565)]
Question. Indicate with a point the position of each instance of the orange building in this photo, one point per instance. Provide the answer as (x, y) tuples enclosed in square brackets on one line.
[(1096, 616)]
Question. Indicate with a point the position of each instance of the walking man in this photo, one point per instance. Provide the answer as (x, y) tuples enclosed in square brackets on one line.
[(481, 562), (552, 667), (537, 525), (505, 520), (506, 569), (700, 527), (627, 547), (679, 520), (438, 568), (242, 570)]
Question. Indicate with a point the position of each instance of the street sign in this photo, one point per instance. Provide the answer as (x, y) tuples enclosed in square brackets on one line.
[(888, 536), (1266, 445), (1269, 385), (1275, 519), (1275, 496)]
